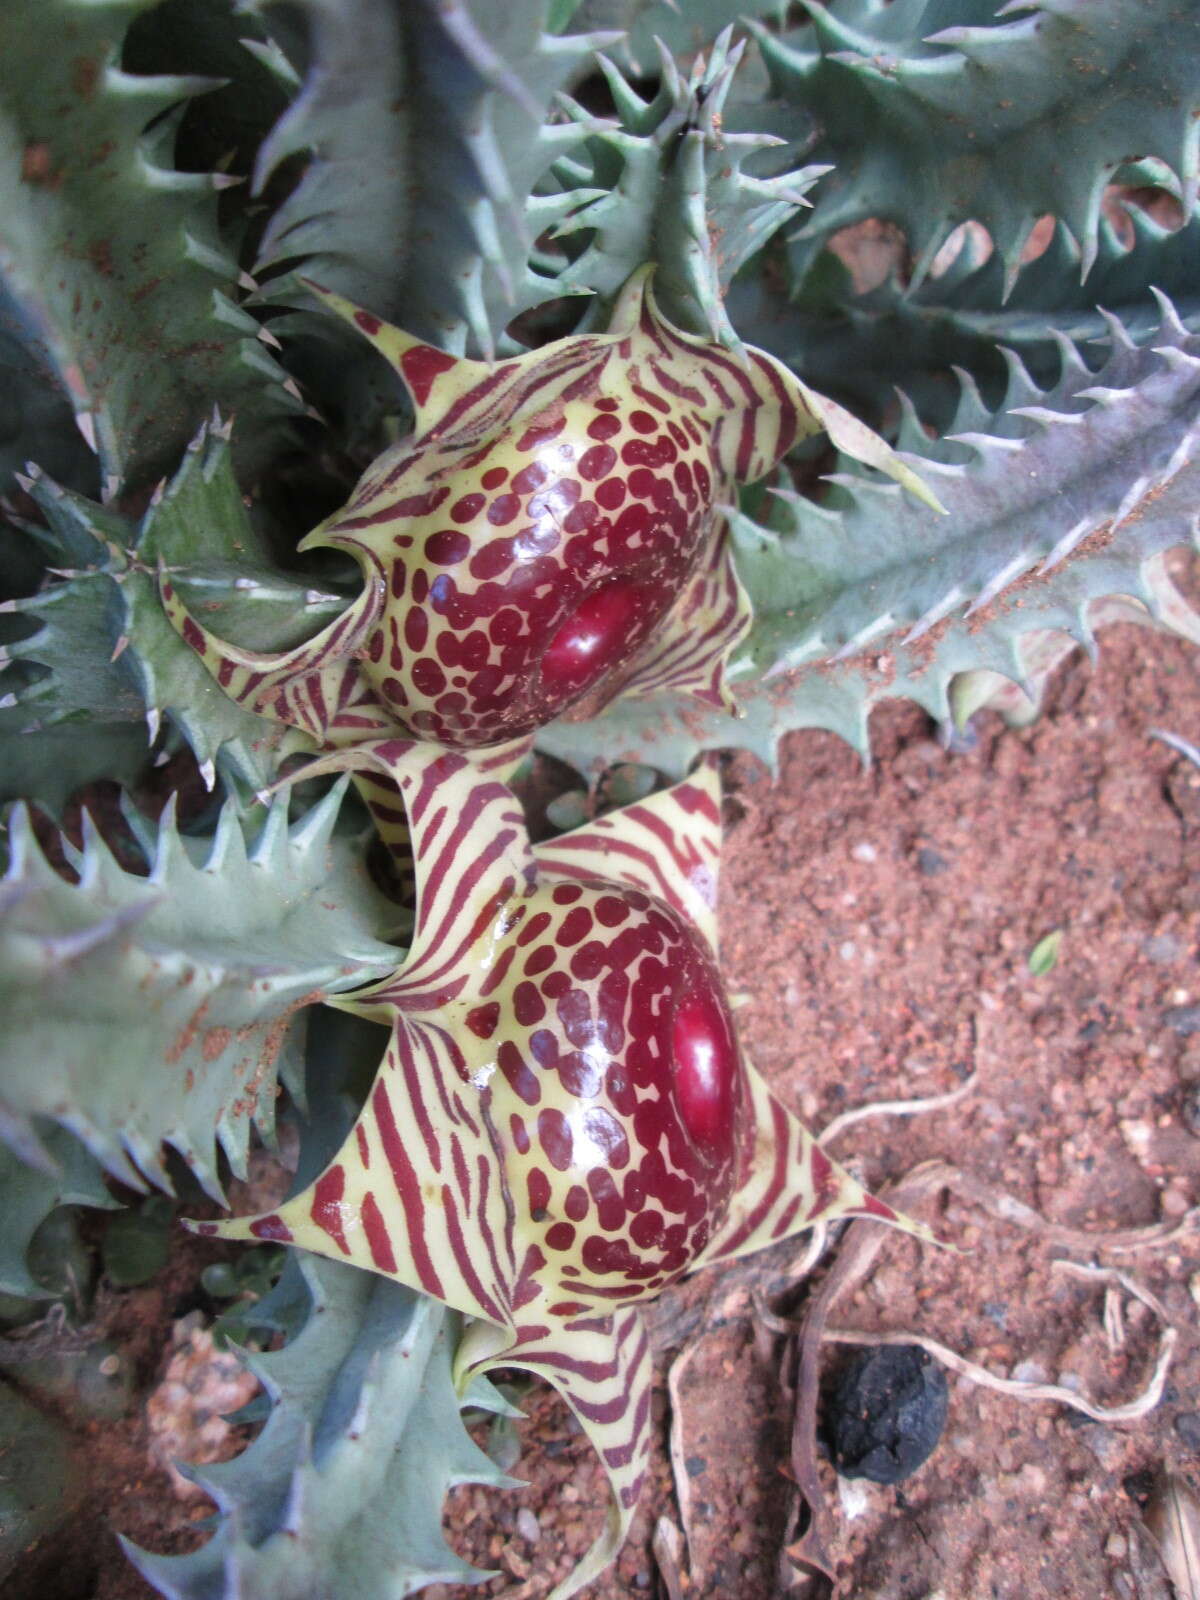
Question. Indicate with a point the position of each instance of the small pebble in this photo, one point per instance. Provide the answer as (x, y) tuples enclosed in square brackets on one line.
[(1116, 1547), (1189, 1108), (1162, 949), (1103, 1443), (1184, 1019), (865, 852), (1174, 1203), (930, 863), (528, 1525), (1187, 1426), (853, 1498)]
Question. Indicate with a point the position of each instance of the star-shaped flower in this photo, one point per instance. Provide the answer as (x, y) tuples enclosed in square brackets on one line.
[(552, 528), (563, 1123)]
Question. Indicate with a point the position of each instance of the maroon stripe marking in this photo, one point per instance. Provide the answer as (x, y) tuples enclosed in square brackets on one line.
[(610, 856), (456, 1109), (349, 687), (425, 792), (377, 1234), (440, 870), (745, 450), (317, 700), (605, 1412), (272, 1227), (394, 473), (782, 1224), (504, 374), (641, 1419), (331, 642), (434, 943), (620, 1455), (458, 1245), (527, 1333), (364, 1149), (458, 1161), (500, 1279), (619, 1291), (726, 399), (500, 971), (433, 940), (827, 1185), (412, 1082), (520, 395), (589, 1371), (692, 798), (774, 1187), (396, 815), (715, 356), (669, 837), (582, 384), (326, 1209), (789, 421), (651, 329), (590, 1324), (651, 399), (410, 1038), (409, 1190), (681, 391)]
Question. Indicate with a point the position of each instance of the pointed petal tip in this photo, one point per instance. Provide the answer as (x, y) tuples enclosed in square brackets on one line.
[(269, 1226)]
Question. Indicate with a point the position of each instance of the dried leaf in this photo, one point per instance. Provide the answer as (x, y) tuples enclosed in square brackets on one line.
[(1044, 954), (668, 1553), (1173, 1517)]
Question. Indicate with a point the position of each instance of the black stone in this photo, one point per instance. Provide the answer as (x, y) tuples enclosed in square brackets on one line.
[(1187, 1426), (886, 1413)]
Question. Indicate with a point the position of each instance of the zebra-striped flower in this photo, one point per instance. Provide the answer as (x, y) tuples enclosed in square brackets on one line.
[(551, 529), (563, 1122)]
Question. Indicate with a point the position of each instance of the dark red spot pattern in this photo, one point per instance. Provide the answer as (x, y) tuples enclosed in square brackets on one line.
[(626, 1066), (559, 541)]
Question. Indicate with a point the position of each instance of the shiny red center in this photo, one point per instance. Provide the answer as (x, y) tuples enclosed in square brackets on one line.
[(705, 1068), (594, 637)]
